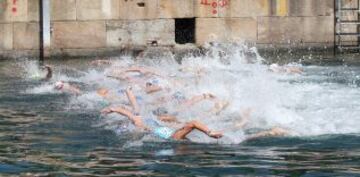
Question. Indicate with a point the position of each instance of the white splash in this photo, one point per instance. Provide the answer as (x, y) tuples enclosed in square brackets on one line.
[(235, 73)]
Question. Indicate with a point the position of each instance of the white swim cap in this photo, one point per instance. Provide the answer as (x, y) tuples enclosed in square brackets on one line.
[(59, 85), (274, 66)]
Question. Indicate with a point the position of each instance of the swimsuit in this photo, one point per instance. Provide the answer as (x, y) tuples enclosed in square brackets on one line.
[(158, 130), (164, 132)]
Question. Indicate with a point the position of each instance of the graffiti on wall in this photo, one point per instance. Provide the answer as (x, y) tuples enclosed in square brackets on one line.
[(215, 4), (14, 8)]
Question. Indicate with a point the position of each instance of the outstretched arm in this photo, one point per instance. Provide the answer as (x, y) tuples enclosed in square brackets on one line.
[(196, 99), (73, 89), (149, 89), (190, 126), (49, 72), (132, 100), (101, 62), (219, 106), (199, 98), (136, 120), (142, 70), (274, 132)]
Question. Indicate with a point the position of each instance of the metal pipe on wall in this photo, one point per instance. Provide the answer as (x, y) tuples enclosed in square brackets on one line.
[(44, 6)]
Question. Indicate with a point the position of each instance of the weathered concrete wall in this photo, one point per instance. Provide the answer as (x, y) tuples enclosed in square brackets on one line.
[(94, 25)]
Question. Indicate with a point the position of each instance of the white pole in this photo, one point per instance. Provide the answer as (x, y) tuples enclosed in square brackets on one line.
[(45, 29)]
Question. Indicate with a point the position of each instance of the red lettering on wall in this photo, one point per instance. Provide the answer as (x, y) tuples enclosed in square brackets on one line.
[(215, 4), (14, 8), (205, 2)]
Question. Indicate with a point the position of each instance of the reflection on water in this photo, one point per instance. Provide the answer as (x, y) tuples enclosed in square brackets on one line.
[(41, 135)]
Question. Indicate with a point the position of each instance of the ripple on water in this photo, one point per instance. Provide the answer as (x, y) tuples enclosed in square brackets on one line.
[(41, 134)]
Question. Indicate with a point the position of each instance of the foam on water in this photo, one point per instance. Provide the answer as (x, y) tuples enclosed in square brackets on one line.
[(234, 73)]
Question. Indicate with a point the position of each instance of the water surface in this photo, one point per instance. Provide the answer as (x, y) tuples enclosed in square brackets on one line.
[(43, 134)]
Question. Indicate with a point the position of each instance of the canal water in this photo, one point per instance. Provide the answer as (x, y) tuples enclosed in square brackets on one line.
[(47, 133)]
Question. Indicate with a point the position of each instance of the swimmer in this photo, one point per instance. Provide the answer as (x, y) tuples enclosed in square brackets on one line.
[(111, 95), (49, 72), (48, 75), (184, 103), (141, 71), (151, 87), (162, 131), (219, 105), (285, 69), (274, 132), (66, 87)]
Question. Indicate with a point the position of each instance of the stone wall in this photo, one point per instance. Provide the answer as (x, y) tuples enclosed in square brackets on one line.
[(93, 25)]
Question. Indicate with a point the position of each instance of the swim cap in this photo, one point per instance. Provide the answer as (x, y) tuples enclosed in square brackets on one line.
[(179, 96), (154, 81), (160, 111), (59, 85)]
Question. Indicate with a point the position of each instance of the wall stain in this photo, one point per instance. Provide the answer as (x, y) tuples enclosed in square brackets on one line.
[(3, 5)]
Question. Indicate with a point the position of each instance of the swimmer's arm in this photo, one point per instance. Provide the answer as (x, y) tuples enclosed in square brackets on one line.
[(71, 89), (295, 70), (136, 120), (119, 77), (138, 69), (132, 99), (269, 133), (152, 89), (168, 118), (219, 106), (74, 90), (99, 62), (199, 98), (143, 70), (49, 72)]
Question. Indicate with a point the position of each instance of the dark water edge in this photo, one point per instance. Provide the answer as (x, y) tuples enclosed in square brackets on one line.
[(41, 136)]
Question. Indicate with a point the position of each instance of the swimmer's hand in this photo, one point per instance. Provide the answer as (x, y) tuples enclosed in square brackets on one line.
[(215, 135), (209, 96), (46, 67)]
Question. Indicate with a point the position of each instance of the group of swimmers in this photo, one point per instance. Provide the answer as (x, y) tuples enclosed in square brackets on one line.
[(160, 113)]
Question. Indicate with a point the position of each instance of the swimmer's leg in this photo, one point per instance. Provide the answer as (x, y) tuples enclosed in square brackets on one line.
[(274, 132), (190, 126)]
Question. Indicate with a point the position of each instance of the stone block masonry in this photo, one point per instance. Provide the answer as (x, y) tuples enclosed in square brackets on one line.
[(114, 25)]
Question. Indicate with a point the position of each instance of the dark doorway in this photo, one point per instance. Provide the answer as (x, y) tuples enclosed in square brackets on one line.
[(185, 30)]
